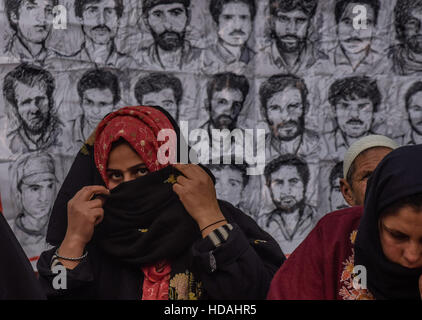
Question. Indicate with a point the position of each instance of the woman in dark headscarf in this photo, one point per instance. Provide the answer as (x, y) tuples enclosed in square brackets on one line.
[(17, 278), (373, 252), (139, 229)]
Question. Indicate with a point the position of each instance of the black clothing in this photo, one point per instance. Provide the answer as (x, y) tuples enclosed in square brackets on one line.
[(397, 176), (17, 278)]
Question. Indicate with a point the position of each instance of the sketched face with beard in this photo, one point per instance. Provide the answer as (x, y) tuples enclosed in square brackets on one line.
[(225, 107), (100, 21), (290, 30), (167, 23), (33, 108), (355, 116), (287, 189), (413, 31), (414, 108), (285, 113)]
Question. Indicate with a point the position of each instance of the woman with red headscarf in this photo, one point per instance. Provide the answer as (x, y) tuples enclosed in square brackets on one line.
[(139, 228)]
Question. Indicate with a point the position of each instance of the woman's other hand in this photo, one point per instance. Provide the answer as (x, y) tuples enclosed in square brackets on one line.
[(197, 193), (83, 214)]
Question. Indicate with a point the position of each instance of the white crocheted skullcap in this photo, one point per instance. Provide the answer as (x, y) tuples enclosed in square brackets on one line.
[(363, 144)]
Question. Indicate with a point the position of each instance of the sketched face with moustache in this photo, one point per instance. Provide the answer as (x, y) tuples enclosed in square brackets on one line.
[(100, 21), (287, 189), (225, 108), (355, 116), (235, 24), (354, 41), (285, 112), (414, 108), (168, 23)]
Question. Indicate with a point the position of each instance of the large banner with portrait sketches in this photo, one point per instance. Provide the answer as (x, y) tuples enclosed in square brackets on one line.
[(312, 75)]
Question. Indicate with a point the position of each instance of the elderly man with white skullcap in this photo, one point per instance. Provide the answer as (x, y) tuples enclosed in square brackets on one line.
[(360, 161)]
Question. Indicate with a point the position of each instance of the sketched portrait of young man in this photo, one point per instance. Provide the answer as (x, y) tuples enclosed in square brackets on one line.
[(335, 197), (31, 22), (34, 186), (99, 94), (355, 101), (160, 89), (234, 21), (100, 22), (413, 104), (355, 50)]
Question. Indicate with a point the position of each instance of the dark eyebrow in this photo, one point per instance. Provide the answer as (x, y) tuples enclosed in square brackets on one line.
[(176, 10), (141, 165), (394, 232)]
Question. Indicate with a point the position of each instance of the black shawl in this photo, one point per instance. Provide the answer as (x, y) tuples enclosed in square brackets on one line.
[(17, 278), (397, 176)]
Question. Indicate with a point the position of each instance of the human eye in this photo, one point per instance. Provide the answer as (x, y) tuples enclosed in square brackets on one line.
[(273, 107), (293, 106), (157, 13), (415, 108), (227, 17), (114, 175), (398, 235), (344, 105), (141, 171), (92, 10), (222, 101), (278, 182), (109, 11), (301, 21), (34, 188), (413, 23), (283, 18), (234, 183), (294, 181), (176, 12), (367, 175), (347, 21), (39, 100)]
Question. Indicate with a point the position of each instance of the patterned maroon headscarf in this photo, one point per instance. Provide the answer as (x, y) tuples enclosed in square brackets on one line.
[(139, 126)]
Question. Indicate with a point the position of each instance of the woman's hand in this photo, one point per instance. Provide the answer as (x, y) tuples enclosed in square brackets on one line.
[(197, 193), (83, 214)]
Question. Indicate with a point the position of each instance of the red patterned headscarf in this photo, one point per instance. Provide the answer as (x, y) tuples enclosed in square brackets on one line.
[(139, 126)]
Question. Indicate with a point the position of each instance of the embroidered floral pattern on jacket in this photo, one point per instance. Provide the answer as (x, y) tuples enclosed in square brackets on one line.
[(347, 290), (183, 286)]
